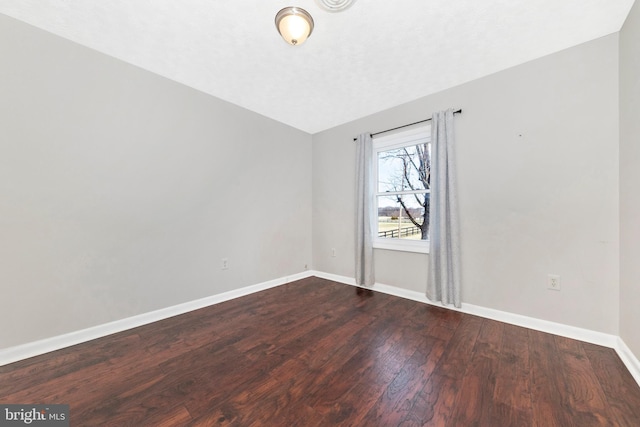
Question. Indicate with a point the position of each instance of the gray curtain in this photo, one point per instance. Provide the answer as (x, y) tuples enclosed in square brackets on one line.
[(364, 210), (444, 252)]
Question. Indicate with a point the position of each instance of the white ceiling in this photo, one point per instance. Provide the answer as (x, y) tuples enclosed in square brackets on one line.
[(375, 55)]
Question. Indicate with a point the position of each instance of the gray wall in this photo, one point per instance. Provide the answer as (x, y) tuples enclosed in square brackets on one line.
[(544, 202), (120, 191), (629, 180)]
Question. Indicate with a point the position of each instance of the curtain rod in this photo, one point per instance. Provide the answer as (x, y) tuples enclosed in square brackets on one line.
[(410, 124)]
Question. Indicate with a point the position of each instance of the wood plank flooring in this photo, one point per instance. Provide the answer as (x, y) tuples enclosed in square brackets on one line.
[(318, 353)]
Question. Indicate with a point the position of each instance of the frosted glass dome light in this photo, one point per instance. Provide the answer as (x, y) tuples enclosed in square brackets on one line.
[(294, 25)]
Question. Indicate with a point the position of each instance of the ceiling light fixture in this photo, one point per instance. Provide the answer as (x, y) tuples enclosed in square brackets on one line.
[(294, 25)]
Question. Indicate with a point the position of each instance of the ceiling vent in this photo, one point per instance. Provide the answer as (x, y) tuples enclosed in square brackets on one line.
[(335, 5)]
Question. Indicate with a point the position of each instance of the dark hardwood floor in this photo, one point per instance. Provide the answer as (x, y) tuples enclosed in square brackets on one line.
[(318, 353)]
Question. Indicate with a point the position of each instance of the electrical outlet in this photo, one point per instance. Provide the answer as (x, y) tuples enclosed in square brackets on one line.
[(553, 282), (225, 263), (333, 252)]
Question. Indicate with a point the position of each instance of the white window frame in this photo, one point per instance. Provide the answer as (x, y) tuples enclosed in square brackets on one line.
[(416, 135)]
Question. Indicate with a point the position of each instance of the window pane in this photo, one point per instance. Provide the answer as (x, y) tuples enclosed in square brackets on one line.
[(404, 169), (395, 220)]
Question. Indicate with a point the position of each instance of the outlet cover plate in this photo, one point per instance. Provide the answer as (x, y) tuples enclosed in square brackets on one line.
[(553, 282)]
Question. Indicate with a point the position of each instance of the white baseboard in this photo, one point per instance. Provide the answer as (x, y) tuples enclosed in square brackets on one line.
[(629, 359), (36, 348), (606, 340)]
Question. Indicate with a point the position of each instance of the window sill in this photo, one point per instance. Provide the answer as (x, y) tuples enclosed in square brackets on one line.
[(418, 246)]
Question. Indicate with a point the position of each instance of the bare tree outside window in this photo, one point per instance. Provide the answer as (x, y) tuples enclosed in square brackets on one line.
[(404, 182)]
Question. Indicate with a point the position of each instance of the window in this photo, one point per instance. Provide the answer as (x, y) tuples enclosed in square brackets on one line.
[(402, 166)]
